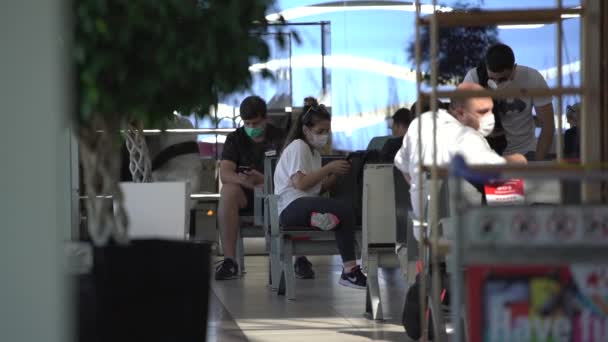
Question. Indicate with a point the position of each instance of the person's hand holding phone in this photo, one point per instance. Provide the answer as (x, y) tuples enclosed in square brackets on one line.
[(338, 167), (255, 175), (249, 177), (243, 169)]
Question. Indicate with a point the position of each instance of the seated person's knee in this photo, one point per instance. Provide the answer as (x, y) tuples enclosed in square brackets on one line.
[(233, 194)]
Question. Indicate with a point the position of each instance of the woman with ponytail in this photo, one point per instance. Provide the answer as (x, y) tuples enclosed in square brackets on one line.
[(300, 179)]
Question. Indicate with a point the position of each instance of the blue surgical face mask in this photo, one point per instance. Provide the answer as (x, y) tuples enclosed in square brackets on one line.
[(254, 132)]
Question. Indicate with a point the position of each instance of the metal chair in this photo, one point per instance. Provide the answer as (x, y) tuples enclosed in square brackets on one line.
[(286, 242)]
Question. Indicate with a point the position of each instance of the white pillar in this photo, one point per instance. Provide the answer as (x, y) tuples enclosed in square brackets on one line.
[(34, 177)]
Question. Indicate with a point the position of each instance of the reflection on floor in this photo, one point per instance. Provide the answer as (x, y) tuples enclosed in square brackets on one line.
[(246, 310)]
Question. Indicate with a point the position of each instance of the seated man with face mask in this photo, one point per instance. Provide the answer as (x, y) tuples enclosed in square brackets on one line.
[(460, 130), (241, 170)]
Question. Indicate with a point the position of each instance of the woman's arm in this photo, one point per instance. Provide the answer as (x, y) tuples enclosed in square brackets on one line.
[(304, 182), (328, 183)]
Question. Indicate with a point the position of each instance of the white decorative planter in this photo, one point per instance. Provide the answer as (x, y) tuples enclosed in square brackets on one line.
[(157, 210)]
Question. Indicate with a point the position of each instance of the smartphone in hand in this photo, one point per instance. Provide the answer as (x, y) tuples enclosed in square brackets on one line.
[(243, 169)]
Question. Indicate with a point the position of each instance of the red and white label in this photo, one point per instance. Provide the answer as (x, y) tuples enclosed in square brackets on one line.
[(510, 191)]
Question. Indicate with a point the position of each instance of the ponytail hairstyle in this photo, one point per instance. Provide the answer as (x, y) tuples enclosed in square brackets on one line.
[(312, 113)]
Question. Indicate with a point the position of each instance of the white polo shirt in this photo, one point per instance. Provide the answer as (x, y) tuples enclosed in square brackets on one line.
[(452, 138), (296, 157)]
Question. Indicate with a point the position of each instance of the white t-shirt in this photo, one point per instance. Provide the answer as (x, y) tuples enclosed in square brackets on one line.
[(296, 157), (517, 120), (452, 138)]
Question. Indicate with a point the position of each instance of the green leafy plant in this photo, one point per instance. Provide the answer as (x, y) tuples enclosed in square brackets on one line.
[(459, 48), (138, 62)]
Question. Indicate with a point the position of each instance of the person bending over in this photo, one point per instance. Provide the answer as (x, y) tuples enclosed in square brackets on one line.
[(460, 130), (499, 71)]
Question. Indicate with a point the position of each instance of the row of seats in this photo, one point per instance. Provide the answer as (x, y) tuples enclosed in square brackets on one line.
[(382, 227)]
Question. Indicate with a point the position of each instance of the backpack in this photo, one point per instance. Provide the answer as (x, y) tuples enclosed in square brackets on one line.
[(410, 317), (498, 143)]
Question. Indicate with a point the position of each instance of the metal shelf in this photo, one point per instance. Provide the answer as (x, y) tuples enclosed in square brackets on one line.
[(529, 255), (219, 131), (440, 246), (506, 17), (507, 93)]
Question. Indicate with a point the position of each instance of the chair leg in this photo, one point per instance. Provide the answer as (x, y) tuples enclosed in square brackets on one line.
[(281, 284), (374, 303), (283, 265), (275, 263), (439, 321), (270, 271), (411, 272), (288, 269), (240, 252), (464, 324)]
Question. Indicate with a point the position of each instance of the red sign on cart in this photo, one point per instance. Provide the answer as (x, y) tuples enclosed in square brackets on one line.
[(510, 191)]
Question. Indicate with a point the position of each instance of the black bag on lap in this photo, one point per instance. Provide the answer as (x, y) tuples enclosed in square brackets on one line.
[(349, 188)]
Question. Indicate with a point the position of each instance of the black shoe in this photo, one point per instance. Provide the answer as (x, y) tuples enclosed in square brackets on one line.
[(303, 268), (355, 278), (227, 269)]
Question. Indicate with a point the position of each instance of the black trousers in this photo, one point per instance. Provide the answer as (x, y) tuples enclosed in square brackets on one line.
[(298, 213)]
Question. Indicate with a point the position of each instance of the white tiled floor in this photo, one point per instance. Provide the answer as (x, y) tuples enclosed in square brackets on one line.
[(323, 310)]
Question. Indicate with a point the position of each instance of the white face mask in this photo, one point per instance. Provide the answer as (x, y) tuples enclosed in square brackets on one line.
[(318, 141), (486, 124)]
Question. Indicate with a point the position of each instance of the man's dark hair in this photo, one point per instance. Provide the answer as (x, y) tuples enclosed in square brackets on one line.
[(403, 117), (252, 107), (499, 58)]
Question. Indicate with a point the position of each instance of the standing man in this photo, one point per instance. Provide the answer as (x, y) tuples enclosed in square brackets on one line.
[(500, 72), (241, 170)]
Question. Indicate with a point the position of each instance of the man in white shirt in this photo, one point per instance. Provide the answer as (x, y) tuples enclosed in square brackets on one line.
[(460, 130), (516, 117)]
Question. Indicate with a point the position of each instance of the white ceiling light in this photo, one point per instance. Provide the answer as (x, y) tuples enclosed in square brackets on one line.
[(520, 27), (306, 11)]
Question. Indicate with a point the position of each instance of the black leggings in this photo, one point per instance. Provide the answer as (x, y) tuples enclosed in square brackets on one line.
[(298, 213)]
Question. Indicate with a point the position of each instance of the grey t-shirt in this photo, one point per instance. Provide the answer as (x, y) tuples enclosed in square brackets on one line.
[(517, 119)]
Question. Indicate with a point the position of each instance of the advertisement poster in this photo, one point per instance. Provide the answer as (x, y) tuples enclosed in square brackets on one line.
[(538, 303)]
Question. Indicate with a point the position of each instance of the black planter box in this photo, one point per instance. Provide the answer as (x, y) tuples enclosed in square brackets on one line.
[(150, 290)]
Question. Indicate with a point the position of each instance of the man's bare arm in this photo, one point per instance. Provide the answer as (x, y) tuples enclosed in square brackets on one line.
[(228, 174), (516, 158)]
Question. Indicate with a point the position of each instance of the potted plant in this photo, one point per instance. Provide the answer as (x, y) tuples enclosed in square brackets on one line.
[(136, 62)]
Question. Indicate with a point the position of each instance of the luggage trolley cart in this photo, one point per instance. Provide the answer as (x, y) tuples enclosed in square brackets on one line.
[(438, 18), (529, 273)]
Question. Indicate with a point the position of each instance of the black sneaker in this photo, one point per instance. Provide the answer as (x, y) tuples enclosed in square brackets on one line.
[(303, 268), (227, 269), (355, 279)]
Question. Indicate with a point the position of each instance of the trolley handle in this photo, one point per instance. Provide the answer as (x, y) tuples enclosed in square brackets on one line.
[(459, 168)]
